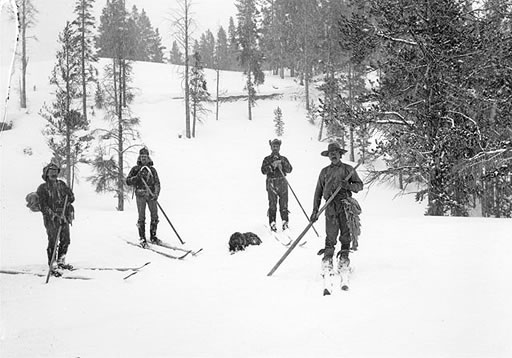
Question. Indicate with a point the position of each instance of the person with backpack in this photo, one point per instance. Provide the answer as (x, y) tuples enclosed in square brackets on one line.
[(52, 195), (144, 178), (275, 167), (336, 221)]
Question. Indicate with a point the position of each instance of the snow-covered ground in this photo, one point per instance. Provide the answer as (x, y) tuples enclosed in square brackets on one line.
[(422, 286)]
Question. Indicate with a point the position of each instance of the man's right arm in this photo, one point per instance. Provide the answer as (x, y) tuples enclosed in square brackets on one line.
[(266, 166), (130, 179)]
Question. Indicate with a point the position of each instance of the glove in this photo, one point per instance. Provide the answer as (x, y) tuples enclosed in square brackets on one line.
[(153, 197), (345, 184), (276, 164), (314, 216)]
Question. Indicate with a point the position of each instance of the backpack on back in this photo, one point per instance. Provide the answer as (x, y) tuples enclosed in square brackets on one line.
[(32, 200)]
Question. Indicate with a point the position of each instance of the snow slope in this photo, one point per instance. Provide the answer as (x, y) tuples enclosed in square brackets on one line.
[(422, 286)]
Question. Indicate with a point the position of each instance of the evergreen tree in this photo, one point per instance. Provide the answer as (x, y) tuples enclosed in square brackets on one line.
[(233, 49), (182, 22), (221, 51), (84, 24), (207, 49), (156, 50), (198, 90), (115, 42), (176, 57), (27, 19), (278, 122), (64, 122), (251, 56)]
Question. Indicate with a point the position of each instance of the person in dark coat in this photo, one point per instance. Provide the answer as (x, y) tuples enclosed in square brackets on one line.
[(275, 167), (332, 177), (141, 177), (52, 196)]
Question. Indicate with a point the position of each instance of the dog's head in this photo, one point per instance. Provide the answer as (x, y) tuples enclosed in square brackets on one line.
[(237, 242)]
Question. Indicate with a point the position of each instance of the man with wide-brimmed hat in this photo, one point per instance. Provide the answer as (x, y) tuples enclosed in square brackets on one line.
[(52, 196), (275, 167), (144, 178), (330, 179)]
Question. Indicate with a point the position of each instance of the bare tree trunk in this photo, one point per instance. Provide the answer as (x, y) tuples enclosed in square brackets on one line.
[(84, 78), (187, 89), (249, 92), (217, 101), (351, 104), (120, 176), (194, 118), (24, 61)]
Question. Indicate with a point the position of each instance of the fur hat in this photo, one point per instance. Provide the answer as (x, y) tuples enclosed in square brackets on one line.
[(274, 141), (47, 168), (333, 147), (144, 151)]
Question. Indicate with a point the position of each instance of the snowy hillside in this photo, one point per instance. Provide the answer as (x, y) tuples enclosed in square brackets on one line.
[(422, 286)]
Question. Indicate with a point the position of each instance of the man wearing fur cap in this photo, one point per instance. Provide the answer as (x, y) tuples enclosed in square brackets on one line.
[(275, 167), (52, 196), (144, 178), (330, 179)]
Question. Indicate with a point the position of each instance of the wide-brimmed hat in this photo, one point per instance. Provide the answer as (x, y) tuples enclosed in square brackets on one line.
[(47, 168), (333, 147)]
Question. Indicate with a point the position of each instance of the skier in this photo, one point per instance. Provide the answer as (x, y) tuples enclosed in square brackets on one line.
[(275, 167), (52, 196), (144, 178), (332, 177)]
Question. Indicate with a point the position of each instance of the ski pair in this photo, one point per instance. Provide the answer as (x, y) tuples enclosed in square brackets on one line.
[(282, 237), (151, 248), (329, 274)]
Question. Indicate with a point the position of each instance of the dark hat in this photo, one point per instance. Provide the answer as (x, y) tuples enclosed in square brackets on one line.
[(144, 151), (275, 141), (47, 168), (333, 147)]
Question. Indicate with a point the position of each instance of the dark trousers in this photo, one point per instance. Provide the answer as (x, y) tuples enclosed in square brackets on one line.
[(277, 191), (336, 224), (52, 228), (141, 208)]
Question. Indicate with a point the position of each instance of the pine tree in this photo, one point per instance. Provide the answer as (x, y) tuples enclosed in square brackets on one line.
[(251, 56), (278, 122), (27, 19), (233, 49), (156, 49), (64, 122), (115, 42), (221, 51), (84, 24), (176, 57), (198, 91), (182, 22)]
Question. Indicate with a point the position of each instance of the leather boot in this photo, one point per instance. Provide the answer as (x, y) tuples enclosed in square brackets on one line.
[(141, 225), (152, 233)]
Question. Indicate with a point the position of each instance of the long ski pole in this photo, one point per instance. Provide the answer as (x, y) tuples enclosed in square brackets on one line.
[(56, 245), (163, 212), (296, 242), (296, 198)]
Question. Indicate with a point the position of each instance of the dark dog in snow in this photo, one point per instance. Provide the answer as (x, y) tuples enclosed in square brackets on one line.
[(239, 241)]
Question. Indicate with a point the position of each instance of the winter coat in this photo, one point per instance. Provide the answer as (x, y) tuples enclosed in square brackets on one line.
[(52, 197), (274, 173), (150, 175), (329, 180)]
